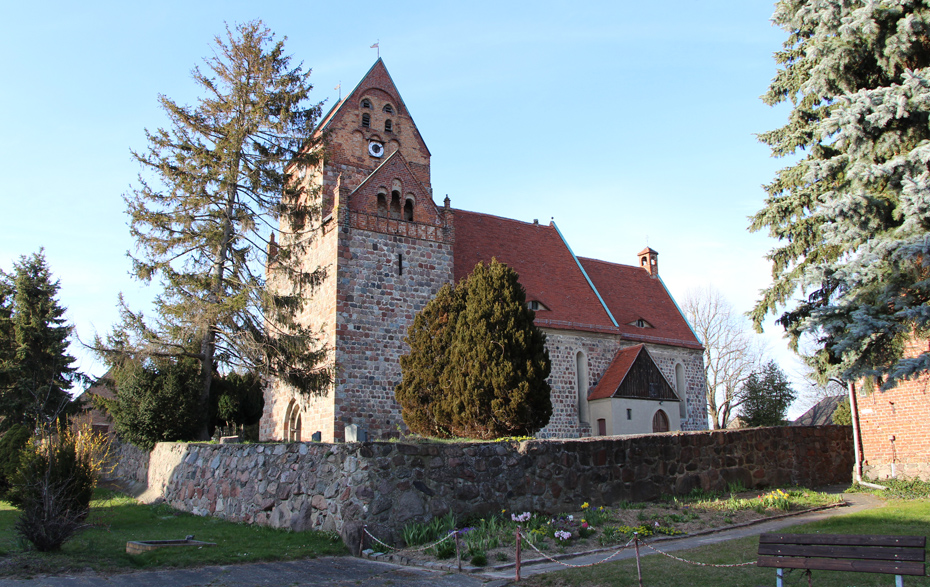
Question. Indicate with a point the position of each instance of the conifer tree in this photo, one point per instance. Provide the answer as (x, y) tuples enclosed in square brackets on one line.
[(218, 184), (767, 395), (852, 212), (36, 370), (478, 365)]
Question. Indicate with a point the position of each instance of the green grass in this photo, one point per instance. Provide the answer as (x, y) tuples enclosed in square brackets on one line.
[(118, 519), (896, 517)]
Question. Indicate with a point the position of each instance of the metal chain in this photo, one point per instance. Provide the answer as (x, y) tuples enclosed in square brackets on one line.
[(647, 545), (422, 548), (546, 556)]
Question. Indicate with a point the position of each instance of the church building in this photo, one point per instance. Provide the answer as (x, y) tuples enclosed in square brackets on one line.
[(624, 359)]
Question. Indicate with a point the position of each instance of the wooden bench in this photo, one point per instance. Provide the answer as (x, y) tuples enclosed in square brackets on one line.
[(891, 555)]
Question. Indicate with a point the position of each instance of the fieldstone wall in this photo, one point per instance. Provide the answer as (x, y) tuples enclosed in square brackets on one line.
[(386, 485)]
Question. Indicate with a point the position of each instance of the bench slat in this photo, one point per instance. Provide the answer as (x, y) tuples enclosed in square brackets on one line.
[(860, 566), (844, 540), (857, 552)]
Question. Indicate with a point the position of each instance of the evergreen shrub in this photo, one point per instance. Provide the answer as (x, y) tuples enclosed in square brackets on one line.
[(477, 365)]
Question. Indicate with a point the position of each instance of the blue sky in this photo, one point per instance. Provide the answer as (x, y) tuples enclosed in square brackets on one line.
[(628, 122)]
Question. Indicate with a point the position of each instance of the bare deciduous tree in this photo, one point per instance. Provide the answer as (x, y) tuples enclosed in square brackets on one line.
[(731, 350)]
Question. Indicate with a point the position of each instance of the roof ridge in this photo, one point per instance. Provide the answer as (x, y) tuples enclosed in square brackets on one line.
[(502, 218), (585, 274)]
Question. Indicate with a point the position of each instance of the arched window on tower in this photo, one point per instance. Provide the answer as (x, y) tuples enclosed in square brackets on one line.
[(581, 385), (395, 204), (292, 422), (366, 120), (408, 210), (388, 109), (382, 205), (366, 103), (388, 127), (681, 387)]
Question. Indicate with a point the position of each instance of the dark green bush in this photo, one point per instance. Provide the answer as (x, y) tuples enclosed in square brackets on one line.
[(159, 403), (11, 445), (477, 365)]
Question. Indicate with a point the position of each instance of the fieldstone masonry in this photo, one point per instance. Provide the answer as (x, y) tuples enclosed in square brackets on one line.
[(386, 485)]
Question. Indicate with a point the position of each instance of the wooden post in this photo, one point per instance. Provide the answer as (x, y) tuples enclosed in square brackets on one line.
[(458, 553), (361, 540), (639, 570), (519, 540)]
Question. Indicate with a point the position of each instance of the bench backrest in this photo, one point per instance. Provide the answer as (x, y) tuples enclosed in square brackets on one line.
[(893, 555)]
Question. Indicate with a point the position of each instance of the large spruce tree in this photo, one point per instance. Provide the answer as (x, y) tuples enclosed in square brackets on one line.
[(853, 212), (217, 185), (36, 370), (477, 365)]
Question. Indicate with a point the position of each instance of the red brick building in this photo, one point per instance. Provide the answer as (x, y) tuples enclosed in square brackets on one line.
[(895, 427), (388, 247)]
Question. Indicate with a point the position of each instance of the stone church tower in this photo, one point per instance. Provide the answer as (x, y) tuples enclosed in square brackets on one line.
[(386, 248), (624, 360)]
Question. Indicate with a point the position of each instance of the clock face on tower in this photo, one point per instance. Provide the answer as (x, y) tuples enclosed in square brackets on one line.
[(375, 149)]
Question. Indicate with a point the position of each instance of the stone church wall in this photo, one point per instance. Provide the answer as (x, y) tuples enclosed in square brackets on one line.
[(387, 485), (377, 302), (319, 314), (599, 350)]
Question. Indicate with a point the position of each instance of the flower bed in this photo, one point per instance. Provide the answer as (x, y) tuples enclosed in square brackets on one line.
[(491, 540)]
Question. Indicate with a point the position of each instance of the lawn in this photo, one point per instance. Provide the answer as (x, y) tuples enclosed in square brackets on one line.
[(117, 519), (895, 517)]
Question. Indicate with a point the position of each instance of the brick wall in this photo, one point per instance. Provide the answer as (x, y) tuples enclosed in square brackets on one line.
[(902, 413)]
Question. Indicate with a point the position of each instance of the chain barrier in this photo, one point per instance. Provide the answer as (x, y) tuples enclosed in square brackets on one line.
[(651, 547), (547, 557), (448, 536)]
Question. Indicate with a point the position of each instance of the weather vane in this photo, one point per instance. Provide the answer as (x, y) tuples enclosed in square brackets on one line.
[(339, 88), (375, 46)]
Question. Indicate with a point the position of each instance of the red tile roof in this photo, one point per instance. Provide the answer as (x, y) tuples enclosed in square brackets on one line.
[(615, 374), (547, 269), (550, 274), (632, 294)]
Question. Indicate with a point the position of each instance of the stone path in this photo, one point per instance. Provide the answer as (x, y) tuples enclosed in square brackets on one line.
[(337, 571)]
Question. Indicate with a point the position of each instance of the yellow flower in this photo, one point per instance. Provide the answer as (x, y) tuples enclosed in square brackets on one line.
[(585, 505)]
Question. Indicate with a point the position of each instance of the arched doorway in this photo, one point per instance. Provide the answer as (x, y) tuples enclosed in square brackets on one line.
[(660, 422)]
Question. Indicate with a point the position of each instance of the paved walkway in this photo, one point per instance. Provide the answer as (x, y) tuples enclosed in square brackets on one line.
[(347, 571)]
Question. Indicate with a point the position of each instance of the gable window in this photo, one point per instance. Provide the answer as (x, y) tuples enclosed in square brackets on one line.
[(387, 108), (388, 127), (382, 205), (366, 120), (366, 103), (395, 204), (408, 210)]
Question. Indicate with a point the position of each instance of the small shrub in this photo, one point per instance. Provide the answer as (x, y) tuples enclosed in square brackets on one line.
[(500, 556), (54, 484), (479, 559)]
